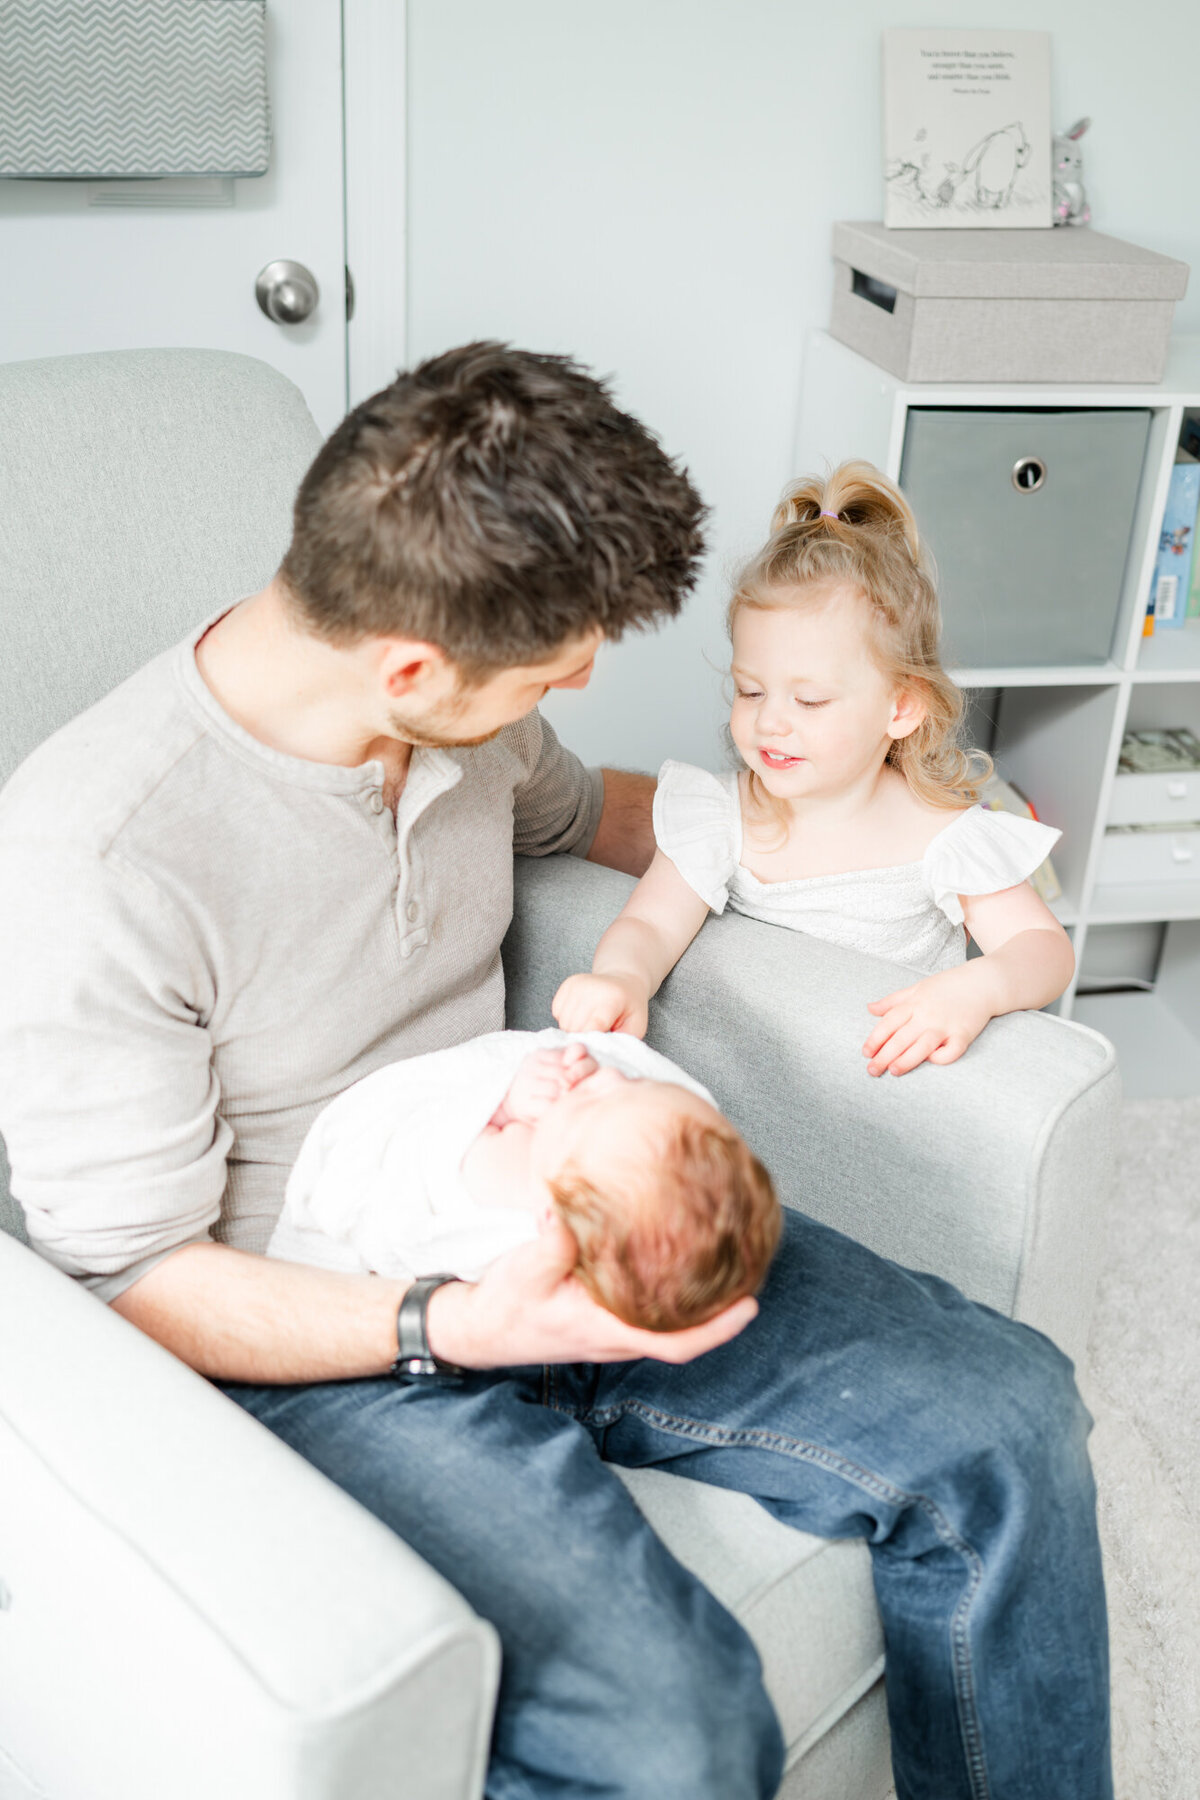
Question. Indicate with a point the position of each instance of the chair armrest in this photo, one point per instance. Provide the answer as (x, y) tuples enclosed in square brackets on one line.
[(992, 1171), (188, 1608)]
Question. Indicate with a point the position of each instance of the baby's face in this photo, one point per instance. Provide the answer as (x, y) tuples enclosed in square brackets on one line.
[(609, 1128)]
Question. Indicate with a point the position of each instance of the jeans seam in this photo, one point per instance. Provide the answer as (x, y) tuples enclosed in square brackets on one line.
[(758, 1437)]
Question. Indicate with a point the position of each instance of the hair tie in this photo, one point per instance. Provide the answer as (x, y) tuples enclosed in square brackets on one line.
[(829, 515)]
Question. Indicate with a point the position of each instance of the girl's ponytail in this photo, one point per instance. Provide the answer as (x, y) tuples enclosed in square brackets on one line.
[(853, 494), (801, 504)]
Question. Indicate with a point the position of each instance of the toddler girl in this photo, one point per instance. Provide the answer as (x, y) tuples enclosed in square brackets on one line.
[(853, 817)]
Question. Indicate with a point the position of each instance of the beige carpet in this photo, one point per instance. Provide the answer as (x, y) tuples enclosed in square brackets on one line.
[(1143, 1386)]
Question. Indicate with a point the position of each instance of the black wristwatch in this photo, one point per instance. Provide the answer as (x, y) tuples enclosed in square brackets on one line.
[(412, 1336)]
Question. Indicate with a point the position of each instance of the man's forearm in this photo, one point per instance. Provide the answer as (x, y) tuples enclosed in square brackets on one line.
[(238, 1317), (625, 835)]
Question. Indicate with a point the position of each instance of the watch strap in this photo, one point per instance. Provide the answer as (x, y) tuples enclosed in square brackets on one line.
[(414, 1356)]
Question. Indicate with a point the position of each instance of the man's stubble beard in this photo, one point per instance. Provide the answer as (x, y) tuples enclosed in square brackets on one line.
[(437, 730)]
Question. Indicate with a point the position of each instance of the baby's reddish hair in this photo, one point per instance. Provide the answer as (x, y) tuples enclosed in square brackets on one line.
[(698, 1231)]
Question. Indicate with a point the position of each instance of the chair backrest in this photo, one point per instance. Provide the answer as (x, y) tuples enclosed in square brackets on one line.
[(139, 489)]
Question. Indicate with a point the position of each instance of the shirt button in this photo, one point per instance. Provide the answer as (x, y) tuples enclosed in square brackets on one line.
[(375, 801), (412, 912)]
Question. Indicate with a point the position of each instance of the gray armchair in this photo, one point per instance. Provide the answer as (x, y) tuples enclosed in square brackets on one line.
[(188, 1609)]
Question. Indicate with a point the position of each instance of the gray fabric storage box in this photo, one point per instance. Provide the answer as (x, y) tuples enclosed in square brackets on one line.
[(1028, 512), (1067, 305)]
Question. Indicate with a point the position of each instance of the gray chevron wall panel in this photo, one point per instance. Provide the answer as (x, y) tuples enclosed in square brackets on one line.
[(126, 88)]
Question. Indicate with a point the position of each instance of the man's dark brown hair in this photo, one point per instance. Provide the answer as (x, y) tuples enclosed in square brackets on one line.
[(496, 503)]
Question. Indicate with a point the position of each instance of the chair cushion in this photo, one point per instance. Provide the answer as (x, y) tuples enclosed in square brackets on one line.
[(143, 489), (807, 1602)]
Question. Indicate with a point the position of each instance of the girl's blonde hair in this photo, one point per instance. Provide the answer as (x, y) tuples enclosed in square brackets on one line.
[(856, 529)]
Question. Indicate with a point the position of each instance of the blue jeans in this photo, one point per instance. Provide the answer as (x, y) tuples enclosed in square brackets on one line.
[(864, 1401)]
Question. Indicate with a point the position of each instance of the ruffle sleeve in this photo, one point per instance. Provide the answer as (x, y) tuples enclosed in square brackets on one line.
[(984, 852), (698, 824)]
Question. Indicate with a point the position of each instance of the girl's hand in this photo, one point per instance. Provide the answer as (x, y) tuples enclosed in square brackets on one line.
[(932, 1021), (602, 1003)]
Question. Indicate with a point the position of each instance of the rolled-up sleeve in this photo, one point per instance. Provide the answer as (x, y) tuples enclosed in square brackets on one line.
[(557, 806), (108, 1097)]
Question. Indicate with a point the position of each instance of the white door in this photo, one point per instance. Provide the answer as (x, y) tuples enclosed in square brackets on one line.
[(108, 266)]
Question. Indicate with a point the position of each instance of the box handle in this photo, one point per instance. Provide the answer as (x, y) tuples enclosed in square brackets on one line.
[(1029, 474), (1181, 852), (1177, 788), (877, 292)]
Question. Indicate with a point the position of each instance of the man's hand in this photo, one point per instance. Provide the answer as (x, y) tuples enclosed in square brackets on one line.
[(530, 1308), (542, 1079), (932, 1021), (602, 1003)]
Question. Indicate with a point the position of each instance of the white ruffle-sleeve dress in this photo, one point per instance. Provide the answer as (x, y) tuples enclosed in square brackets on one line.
[(909, 913)]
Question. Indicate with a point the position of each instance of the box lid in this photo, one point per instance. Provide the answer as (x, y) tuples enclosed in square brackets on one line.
[(1067, 263)]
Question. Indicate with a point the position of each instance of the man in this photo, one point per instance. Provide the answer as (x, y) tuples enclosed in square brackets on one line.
[(280, 857)]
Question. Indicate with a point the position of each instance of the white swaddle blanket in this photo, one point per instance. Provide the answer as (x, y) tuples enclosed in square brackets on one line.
[(377, 1186)]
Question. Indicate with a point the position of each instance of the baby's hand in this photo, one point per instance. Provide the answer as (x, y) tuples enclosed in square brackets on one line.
[(602, 1003), (934, 1021), (544, 1078)]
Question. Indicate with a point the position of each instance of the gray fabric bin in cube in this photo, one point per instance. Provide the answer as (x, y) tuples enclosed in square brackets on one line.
[(1028, 514), (1004, 305)]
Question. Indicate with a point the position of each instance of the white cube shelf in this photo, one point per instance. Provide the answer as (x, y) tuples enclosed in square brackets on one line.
[(1058, 729)]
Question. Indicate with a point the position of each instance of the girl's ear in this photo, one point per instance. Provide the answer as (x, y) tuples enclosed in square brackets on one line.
[(908, 711)]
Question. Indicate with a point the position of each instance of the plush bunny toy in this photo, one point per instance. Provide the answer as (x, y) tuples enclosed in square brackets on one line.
[(1070, 199)]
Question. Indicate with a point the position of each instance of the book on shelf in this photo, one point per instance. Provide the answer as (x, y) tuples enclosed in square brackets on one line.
[(1189, 443), (998, 795), (1192, 610), (1171, 751), (1170, 585)]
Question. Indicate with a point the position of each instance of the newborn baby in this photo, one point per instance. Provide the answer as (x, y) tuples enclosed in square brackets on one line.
[(440, 1163)]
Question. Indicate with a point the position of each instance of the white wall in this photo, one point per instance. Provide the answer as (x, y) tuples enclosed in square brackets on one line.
[(650, 184)]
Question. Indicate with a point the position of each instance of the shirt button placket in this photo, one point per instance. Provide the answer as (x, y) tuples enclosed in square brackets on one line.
[(408, 912)]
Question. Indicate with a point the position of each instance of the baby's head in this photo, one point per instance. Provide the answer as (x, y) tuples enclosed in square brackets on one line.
[(835, 627), (674, 1215)]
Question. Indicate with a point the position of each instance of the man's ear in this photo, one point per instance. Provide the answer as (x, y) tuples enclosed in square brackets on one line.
[(908, 711), (408, 667)]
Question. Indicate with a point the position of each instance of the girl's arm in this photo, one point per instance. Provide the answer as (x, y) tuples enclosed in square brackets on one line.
[(1027, 961), (639, 949)]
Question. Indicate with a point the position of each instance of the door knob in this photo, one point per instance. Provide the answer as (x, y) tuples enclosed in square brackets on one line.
[(287, 292)]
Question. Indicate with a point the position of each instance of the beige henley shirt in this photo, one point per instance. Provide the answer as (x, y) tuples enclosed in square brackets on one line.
[(203, 941)]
